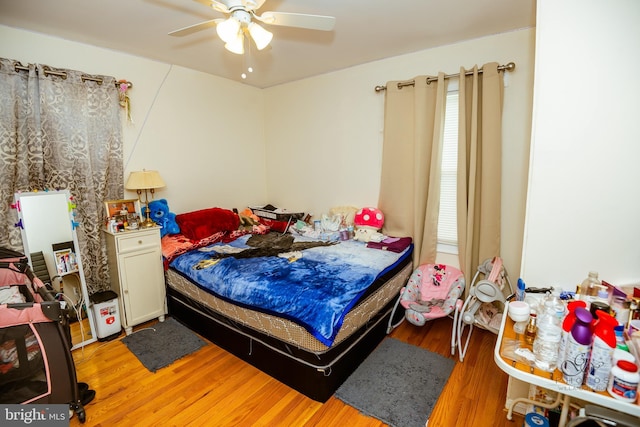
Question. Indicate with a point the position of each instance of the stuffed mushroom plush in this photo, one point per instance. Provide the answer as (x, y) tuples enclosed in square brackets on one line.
[(367, 222)]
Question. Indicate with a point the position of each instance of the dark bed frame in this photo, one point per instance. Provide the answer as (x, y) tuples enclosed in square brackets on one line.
[(316, 375)]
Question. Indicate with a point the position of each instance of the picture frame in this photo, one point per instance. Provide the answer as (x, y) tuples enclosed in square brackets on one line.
[(116, 208)]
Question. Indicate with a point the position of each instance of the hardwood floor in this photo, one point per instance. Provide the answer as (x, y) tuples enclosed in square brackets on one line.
[(78, 335), (214, 388)]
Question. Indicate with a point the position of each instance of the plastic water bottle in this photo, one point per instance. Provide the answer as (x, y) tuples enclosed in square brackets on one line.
[(558, 305), (547, 342), (578, 349), (604, 342)]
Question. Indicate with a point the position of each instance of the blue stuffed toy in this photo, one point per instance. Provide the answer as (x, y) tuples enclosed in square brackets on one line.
[(159, 213)]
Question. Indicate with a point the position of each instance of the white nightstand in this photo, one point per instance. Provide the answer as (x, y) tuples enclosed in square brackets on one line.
[(137, 275)]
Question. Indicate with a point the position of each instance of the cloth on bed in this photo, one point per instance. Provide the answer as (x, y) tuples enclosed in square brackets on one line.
[(271, 244), (394, 244), (316, 290), (174, 245)]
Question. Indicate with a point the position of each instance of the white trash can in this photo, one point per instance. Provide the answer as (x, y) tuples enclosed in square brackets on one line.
[(106, 315)]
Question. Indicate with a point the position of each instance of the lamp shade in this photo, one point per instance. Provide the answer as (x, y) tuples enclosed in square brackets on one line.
[(228, 30), (260, 36), (142, 180), (236, 45)]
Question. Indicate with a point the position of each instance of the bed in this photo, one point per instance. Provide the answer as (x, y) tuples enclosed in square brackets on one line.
[(305, 311)]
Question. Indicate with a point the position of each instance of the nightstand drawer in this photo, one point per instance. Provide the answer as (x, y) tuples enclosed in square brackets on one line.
[(137, 241)]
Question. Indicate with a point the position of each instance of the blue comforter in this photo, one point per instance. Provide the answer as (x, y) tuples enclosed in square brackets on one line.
[(316, 290)]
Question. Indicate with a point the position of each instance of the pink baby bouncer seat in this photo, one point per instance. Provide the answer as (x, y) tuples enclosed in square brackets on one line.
[(432, 292), (36, 365)]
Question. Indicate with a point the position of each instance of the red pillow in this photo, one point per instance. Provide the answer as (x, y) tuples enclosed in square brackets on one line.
[(197, 225)]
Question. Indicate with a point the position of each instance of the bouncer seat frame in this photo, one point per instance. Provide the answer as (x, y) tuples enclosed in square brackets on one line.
[(486, 297), (432, 292)]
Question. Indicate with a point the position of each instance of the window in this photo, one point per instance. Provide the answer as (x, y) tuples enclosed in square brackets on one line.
[(447, 216)]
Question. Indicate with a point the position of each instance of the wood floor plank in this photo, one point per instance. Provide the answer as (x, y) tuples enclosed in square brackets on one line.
[(211, 387)]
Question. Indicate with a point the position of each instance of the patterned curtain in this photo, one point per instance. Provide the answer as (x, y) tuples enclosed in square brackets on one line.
[(61, 132), (16, 128)]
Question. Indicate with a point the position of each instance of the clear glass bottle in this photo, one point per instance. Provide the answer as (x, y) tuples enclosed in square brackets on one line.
[(590, 285), (531, 329), (547, 342)]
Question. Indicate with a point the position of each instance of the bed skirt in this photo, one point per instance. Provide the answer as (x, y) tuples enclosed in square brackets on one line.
[(314, 372)]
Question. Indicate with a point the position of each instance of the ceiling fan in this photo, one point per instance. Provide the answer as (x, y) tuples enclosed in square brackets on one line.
[(240, 22)]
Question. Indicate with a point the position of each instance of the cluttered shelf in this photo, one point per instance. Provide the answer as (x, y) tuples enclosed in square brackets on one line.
[(517, 366)]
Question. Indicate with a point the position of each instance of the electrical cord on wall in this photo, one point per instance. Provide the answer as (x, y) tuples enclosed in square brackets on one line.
[(146, 117)]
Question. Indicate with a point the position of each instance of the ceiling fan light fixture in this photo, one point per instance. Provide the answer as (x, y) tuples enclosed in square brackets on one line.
[(260, 36), (236, 45), (228, 30), (240, 22)]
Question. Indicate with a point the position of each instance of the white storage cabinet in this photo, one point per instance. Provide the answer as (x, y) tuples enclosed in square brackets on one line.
[(137, 275)]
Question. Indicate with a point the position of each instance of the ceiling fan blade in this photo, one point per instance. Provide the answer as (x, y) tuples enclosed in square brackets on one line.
[(299, 20), (253, 4), (220, 7), (195, 27)]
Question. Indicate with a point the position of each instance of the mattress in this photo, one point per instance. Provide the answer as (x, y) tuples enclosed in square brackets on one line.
[(384, 290), (315, 283)]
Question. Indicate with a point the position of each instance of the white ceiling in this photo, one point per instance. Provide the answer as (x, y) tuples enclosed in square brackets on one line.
[(365, 31)]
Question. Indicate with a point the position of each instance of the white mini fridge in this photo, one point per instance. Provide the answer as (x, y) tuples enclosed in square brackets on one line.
[(106, 315)]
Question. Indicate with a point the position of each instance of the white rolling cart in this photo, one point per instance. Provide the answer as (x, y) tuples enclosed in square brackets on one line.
[(551, 381)]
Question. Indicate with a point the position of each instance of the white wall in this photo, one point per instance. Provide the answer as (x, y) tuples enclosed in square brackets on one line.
[(324, 134), (204, 134), (583, 208), (310, 145)]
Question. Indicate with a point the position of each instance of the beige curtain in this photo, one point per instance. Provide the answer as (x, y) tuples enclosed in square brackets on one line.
[(411, 164), (410, 185), (479, 166)]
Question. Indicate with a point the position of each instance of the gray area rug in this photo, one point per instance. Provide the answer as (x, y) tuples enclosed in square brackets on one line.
[(163, 343), (398, 383)]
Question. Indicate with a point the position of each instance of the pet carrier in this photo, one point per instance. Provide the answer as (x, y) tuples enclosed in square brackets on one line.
[(36, 366), (485, 302)]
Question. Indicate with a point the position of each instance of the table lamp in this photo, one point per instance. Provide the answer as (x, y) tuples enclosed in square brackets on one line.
[(146, 181)]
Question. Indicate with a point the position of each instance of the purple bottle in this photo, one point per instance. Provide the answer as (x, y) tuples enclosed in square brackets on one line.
[(578, 349)]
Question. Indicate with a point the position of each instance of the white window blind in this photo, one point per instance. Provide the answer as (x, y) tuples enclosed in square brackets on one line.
[(447, 217)]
